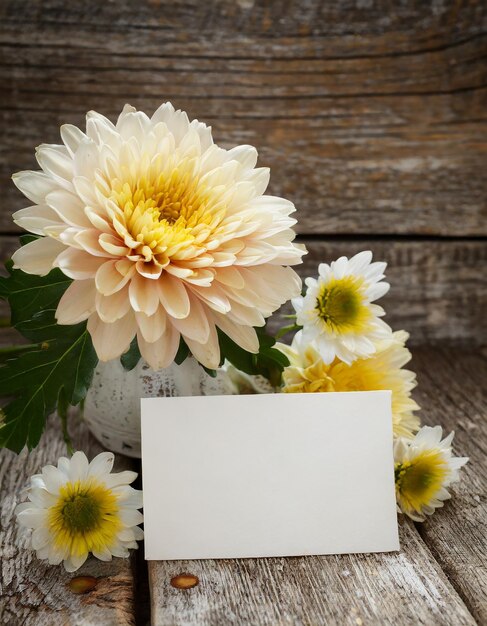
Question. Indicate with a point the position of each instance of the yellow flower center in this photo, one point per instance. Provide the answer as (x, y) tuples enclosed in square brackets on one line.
[(418, 481), (81, 513), (85, 517), (340, 304), (166, 209)]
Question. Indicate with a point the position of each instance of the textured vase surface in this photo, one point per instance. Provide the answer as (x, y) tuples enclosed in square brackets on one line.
[(112, 407)]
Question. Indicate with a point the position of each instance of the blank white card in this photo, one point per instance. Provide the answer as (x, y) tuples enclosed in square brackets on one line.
[(268, 475)]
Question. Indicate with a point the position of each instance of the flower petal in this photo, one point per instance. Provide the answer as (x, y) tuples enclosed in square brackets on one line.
[(78, 466), (130, 517), (152, 326), (75, 561), (160, 354), (78, 264), (32, 517), (39, 256), (143, 294), (77, 302), (40, 537), (208, 354), (243, 336), (112, 308), (113, 339), (34, 185), (173, 296), (68, 207), (72, 136), (36, 218), (55, 161), (103, 554), (109, 279), (120, 478), (195, 326), (54, 478), (102, 464)]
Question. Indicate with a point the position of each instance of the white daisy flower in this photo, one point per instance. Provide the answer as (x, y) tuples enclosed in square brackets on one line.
[(164, 233), (424, 469), (80, 507), (337, 310)]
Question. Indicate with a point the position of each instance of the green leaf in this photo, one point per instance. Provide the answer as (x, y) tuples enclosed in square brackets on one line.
[(268, 362), (130, 358), (27, 238), (212, 373), (182, 353), (54, 371), (28, 294), (36, 378)]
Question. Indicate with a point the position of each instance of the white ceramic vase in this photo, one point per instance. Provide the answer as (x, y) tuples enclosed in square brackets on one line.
[(112, 406)]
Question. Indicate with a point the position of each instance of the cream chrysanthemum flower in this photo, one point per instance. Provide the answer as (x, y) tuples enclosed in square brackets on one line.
[(308, 372), (80, 507), (165, 234), (337, 310), (424, 469)]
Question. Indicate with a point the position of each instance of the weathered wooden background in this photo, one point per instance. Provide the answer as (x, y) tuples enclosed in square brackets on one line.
[(372, 116)]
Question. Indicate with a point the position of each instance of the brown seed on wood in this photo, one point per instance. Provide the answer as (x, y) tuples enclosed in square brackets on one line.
[(184, 581), (82, 584)]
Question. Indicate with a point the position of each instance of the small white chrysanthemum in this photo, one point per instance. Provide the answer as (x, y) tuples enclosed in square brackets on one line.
[(308, 373), (337, 312), (424, 469), (165, 235), (80, 507)]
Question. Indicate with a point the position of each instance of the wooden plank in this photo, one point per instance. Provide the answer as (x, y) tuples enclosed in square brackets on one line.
[(372, 120), (404, 588), (438, 288), (452, 393), (36, 594)]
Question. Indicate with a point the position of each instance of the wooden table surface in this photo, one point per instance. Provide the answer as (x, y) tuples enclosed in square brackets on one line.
[(372, 117), (438, 577)]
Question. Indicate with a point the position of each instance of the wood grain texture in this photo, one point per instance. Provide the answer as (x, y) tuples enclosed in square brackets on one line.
[(33, 593), (452, 392), (408, 588), (438, 288), (371, 116), (404, 588)]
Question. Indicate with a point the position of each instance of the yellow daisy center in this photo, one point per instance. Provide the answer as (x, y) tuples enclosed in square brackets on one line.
[(340, 305), (418, 481), (85, 517)]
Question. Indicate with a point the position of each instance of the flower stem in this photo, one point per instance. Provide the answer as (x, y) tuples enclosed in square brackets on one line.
[(66, 437), (287, 329), (8, 351)]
